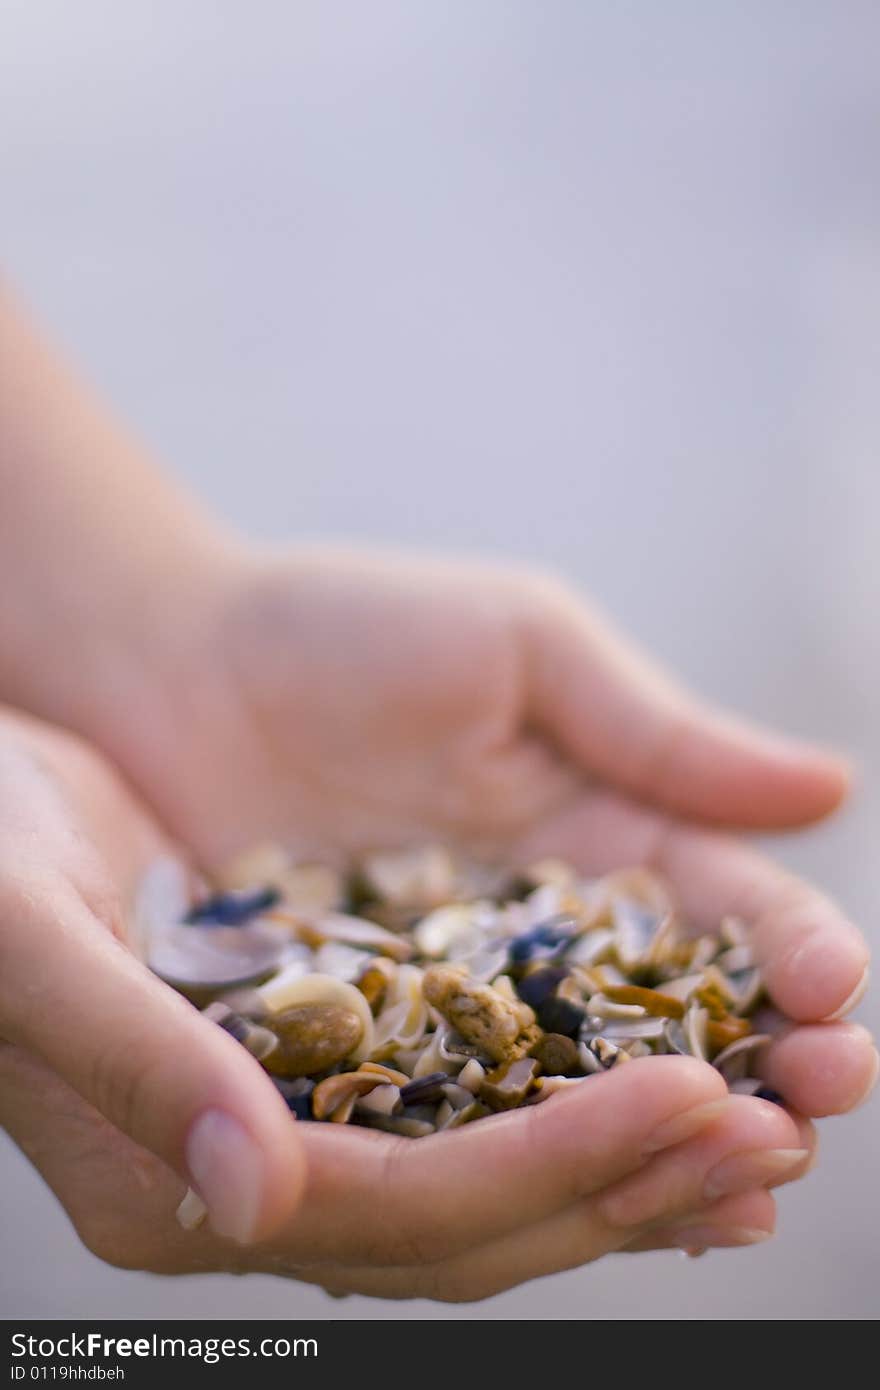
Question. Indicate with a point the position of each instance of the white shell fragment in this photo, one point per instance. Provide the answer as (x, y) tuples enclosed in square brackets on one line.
[(192, 1211)]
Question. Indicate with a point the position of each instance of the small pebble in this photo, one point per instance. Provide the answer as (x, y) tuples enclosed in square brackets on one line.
[(556, 1054), (561, 1016), (312, 1038)]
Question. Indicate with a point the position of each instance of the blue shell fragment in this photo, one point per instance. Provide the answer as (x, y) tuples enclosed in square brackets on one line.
[(232, 909), (543, 940)]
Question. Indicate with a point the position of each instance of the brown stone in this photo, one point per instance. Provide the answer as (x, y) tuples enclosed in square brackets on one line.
[(556, 1054), (312, 1038)]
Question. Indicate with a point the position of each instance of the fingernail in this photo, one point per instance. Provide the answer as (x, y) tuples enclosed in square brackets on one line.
[(227, 1171), (695, 1240), (853, 999), (742, 1172), (684, 1126)]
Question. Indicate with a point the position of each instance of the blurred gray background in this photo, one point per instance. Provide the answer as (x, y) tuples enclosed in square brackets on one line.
[(596, 285)]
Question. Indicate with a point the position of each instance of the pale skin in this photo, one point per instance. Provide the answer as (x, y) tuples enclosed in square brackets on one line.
[(337, 701)]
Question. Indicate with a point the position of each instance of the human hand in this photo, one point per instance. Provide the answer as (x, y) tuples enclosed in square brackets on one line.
[(338, 702), (105, 1073), (281, 774)]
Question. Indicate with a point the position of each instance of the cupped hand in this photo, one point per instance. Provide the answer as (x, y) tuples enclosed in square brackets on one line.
[(646, 1158), (339, 702)]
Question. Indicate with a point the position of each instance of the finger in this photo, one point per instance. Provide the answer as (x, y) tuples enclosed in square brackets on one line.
[(747, 1219), (751, 1144), (822, 1068), (142, 1056), (814, 961), (567, 1240), (620, 717), (375, 1200)]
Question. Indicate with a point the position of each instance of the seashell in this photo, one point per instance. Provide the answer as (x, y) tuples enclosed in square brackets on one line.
[(638, 1048), (373, 983), (732, 1061), (192, 1211), (588, 1060), (634, 930), (260, 1042), (508, 1085), (424, 1089), (161, 900), (435, 1058), (626, 1030), (232, 909), (703, 952), (747, 988), (457, 1096), (486, 965), (694, 1026), (444, 1115), (721, 1032), (738, 958), (336, 1095), (452, 1047), (734, 932), (416, 878), (215, 958), (247, 1001), (650, 1001), (548, 1086), (744, 1086), (664, 941), (601, 1007), (394, 1078), (389, 1024), (542, 904), (676, 1039), (682, 988), (341, 961), (291, 991), (475, 1111), (608, 1054), (452, 931), (590, 948), (405, 989), (384, 1100), (317, 928), (471, 1075)]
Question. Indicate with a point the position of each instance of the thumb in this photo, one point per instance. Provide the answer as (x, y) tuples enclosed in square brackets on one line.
[(623, 719), (140, 1054)]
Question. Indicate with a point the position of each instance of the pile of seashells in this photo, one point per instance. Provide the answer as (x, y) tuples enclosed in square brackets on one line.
[(418, 992)]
